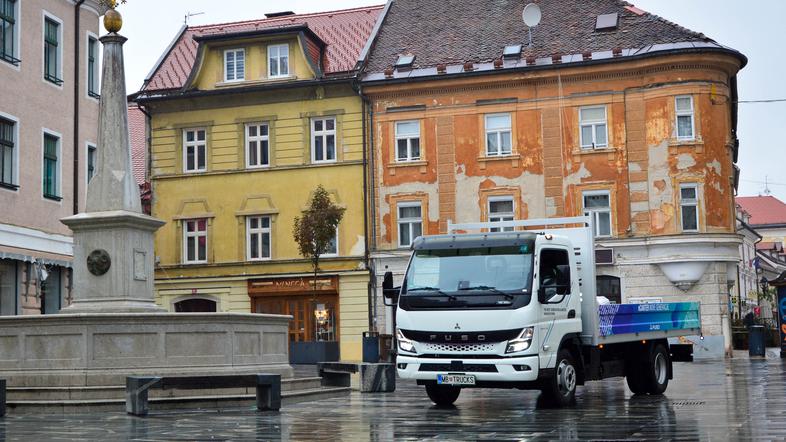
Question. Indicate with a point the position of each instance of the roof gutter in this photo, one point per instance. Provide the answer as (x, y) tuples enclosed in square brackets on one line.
[(743, 61), (139, 98)]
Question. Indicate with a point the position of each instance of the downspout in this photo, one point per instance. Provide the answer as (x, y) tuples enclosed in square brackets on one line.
[(366, 260), (77, 34), (148, 152)]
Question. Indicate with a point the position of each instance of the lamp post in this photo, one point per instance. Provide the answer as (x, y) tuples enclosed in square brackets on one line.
[(764, 284)]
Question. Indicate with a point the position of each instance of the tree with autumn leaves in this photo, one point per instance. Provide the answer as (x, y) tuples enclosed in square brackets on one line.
[(316, 228)]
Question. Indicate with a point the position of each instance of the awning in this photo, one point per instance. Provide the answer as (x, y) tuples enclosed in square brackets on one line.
[(26, 255)]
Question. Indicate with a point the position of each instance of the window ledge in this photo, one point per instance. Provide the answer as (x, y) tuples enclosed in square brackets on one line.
[(228, 84), (10, 59), (53, 197), (676, 142), (589, 151), (421, 164), (9, 186)]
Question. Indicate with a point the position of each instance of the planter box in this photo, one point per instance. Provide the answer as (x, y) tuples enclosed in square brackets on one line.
[(313, 352)]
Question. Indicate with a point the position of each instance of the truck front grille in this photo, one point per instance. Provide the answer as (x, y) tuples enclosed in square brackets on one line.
[(462, 348), (477, 368)]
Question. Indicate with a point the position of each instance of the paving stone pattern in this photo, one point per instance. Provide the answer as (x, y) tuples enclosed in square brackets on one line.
[(738, 400)]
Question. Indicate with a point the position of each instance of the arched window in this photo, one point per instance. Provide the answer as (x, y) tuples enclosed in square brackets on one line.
[(609, 286), (195, 305)]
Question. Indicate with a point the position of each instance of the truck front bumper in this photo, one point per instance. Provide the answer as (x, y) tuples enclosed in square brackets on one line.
[(495, 370)]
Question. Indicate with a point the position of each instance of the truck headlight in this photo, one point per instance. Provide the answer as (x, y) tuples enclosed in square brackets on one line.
[(404, 344), (521, 342)]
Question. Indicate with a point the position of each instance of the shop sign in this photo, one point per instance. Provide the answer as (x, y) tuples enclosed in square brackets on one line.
[(293, 285)]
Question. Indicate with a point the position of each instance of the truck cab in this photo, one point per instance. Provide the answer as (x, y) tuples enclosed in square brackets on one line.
[(511, 309)]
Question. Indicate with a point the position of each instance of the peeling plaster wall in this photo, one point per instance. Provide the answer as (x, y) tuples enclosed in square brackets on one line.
[(642, 167)]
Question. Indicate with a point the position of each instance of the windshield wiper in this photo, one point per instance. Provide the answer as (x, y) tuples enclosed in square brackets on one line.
[(432, 289), (508, 296)]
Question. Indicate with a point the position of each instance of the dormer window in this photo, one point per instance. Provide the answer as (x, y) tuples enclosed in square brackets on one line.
[(278, 61), (405, 61), (234, 65), (512, 51)]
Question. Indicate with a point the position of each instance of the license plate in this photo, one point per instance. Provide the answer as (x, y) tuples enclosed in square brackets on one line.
[(456, 379)]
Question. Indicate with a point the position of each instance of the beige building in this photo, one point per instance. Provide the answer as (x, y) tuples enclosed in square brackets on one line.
[(49, 81)]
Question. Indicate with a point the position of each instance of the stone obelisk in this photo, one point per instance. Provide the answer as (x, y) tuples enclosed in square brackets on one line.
[(113, 239)]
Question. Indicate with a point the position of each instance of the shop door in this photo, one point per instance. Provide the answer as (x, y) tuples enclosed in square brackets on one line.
[(312, 319)]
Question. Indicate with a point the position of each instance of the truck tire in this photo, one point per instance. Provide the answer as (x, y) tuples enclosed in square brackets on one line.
[(560, 389), (634, 378), (656, 372), (442, 395)]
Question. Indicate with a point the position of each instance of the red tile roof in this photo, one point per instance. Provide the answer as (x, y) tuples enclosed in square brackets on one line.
[(136, 132), (764, 210), (345, 32)]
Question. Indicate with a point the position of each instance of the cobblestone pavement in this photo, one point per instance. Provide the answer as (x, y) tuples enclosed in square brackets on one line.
[(738, 400)]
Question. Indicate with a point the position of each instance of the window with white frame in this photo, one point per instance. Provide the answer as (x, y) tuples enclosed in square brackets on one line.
[(91, 161), (332, 247), (323, 140), (53, 66), (257, 145), (194, 150), (683, 106), (195, 241), (498, 134), (278, 61), (51, 168), (9, 33), (597, 204), (410, 222), (407, 141), (593, 127), (689, 207), (258, 237), (92, 67), (501, 209), (8, 147), (234, 65)]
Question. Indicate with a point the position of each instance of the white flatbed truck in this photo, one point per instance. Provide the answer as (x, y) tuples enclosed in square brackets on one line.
[(518, 309)]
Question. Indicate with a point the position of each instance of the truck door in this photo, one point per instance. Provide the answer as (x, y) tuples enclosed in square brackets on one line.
[(554, 294)]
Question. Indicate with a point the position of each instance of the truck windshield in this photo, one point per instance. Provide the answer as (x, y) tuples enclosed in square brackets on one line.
[(488, 270)]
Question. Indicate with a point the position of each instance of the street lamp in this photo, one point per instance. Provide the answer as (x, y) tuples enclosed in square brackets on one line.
[(764, 283)]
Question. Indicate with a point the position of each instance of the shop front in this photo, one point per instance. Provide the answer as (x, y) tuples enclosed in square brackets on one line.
[(313, 331)]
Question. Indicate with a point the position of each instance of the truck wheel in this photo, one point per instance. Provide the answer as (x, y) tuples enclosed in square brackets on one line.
[(560, 390), (633, 375), (442, 395), (656, 373)]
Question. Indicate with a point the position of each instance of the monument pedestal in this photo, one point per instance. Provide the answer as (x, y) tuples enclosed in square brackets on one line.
[(113, 262)]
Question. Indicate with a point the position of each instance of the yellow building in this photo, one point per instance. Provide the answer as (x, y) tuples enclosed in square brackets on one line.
[(246, 120)]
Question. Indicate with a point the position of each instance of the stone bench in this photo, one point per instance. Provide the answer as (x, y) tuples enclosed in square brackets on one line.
[(268, 388), (368, 377)]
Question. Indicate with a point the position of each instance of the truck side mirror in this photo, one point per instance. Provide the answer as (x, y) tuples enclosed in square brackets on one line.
[(387, 284), (388, 291)]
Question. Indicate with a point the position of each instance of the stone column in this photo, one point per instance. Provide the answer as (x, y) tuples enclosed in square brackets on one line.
[(113, 240)]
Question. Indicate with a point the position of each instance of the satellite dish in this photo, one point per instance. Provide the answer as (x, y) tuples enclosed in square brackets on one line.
[(531, 15)]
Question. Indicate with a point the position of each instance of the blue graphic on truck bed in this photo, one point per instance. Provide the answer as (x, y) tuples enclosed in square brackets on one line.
[(618, 319)]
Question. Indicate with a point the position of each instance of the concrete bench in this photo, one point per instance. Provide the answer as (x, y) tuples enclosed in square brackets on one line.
[(268, 388), (370, 377)]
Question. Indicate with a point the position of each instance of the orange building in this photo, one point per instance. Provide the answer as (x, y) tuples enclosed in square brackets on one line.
[(610, 111)]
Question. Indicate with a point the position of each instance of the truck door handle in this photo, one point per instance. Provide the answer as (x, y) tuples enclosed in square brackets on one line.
[(571, 314)]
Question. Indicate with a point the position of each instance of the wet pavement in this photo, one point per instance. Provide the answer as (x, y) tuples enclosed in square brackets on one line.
[(741, 399)]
